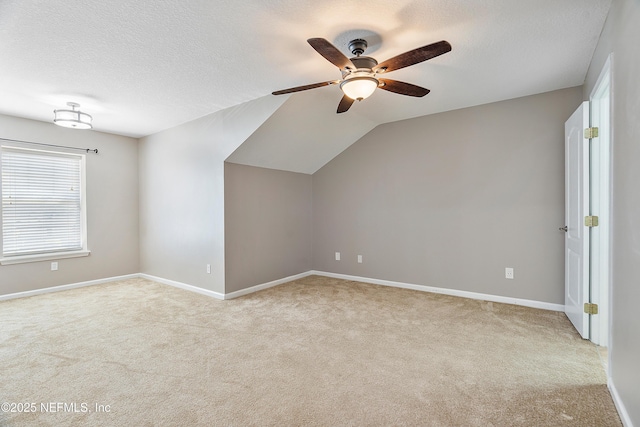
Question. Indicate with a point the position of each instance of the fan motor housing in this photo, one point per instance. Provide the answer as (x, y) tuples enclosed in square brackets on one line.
[(362, 63), (358, 46)]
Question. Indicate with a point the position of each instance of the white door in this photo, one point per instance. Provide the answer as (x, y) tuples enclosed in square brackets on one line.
[(576, 207)]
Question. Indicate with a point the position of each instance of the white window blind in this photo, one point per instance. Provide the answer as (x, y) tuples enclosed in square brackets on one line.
[(42, 206)]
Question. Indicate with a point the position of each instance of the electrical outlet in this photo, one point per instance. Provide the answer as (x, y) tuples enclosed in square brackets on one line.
[(54, 266), (337, 256), (508, 273), (359, 259), (208, 268)]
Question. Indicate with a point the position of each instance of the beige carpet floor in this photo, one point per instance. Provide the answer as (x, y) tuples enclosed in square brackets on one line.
[(316, 351)]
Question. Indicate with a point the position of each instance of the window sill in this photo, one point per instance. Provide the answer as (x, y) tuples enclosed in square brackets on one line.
[(21, 259)]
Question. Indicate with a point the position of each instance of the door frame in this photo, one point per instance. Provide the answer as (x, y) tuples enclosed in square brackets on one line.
[(601, 116)]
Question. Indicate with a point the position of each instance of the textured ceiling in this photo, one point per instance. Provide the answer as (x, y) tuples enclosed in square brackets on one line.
[(145, 66)]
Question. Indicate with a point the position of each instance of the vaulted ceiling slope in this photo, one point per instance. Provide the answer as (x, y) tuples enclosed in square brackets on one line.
[(145, 66), (295, 141)]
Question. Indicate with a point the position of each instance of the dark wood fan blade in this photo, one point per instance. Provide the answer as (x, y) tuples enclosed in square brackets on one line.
[(414, 56), (345, 104), (331, 53), (305, 87), (402, 88)]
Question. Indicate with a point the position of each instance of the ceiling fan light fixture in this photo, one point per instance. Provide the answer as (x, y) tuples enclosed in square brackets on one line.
[(360, 73), (359, 87), (74, 118)]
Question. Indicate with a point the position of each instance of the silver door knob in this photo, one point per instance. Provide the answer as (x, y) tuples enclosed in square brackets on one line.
[(565, 229)]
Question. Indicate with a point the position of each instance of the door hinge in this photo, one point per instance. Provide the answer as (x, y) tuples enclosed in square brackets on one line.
[(590, 308), (591, 221), (590, 133)]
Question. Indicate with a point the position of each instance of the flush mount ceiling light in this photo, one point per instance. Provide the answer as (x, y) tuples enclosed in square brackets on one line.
[(74, 118)]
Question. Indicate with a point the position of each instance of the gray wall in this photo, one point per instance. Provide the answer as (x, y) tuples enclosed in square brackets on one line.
[(620, 36), (450, 200), (267, 225), (112, 208), (181, 174)]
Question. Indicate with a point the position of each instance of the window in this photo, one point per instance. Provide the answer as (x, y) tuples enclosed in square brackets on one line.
[(43, 208)]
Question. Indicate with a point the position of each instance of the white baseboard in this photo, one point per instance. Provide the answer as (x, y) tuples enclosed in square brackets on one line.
[(184, 286), (164, 281), (445, 291), (225, 296), (267, 285), (236, 294), (66, 287), (622, 410)]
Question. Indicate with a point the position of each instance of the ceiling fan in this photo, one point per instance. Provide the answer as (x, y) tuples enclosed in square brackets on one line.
[(360, 73)]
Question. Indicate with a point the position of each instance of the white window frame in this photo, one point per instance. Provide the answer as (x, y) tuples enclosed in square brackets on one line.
[(45, 256)]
